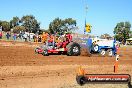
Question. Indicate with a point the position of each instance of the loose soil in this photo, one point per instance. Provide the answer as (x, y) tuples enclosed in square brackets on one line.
[(20, 67)]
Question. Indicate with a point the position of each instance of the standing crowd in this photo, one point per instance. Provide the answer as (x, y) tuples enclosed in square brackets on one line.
[(31, 37)]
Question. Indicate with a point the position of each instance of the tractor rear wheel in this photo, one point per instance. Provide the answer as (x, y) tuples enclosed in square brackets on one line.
[(73, 49)]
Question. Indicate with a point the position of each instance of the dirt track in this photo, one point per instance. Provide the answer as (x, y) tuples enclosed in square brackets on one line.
[(20, 67)]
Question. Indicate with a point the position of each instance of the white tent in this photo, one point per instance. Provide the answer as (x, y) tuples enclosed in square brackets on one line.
[(129, 41)]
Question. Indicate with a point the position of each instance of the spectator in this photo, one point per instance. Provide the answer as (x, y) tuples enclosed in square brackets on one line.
[(39, 38), (14, 36), (25, 36), (89, 44), (44, 37), (20, 35), (31, 36), (8, 36), (0, 34)]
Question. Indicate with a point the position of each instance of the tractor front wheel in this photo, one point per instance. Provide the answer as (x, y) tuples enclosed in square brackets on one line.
[(36, 51), (45, 53)]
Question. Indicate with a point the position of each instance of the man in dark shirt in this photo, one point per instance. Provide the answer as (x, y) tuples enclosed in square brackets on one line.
[(89, 44)]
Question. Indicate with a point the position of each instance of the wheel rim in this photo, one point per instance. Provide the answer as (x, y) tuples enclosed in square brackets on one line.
[(75, 49), (103, 52), (36, 50), (96, 48), (110, 53), (45, 52)]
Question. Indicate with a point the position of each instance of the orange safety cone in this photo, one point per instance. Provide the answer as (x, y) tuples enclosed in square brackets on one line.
[(116, 64), (81, 71)]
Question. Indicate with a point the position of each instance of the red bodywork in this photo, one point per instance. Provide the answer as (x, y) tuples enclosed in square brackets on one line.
[(57, 50), (39, 50), (61, 44), (0, 34)]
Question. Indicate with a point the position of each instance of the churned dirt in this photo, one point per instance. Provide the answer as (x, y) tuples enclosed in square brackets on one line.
[(20, 67)]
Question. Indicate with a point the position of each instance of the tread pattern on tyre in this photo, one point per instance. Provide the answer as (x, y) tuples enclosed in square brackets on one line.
[(45, 54), (36, 50), (70, 49)]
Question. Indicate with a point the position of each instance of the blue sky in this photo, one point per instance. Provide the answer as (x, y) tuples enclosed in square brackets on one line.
[(103, 15)]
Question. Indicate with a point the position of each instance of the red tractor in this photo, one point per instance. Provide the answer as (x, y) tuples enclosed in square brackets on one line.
[(67, 46)]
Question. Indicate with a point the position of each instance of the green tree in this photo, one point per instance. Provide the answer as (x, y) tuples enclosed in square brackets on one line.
[(55, 26), (17, 29), (5, 26), (61, 26), (122, 31), (14, 22), (105, 36), (30, 23), (0, 22), (69, 24), (130, 34), (43, 30)]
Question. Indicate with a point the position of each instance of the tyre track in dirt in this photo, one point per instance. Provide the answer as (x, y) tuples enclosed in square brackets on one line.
[(20, 67)]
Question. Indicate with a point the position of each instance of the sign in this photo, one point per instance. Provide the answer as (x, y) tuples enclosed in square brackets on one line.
[(88, 28), (104, 78)]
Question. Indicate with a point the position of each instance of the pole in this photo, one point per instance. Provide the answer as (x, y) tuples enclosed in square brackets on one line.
[(116, 64), (86, 10)]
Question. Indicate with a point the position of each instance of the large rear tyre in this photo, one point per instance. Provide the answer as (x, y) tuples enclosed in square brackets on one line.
[(73, 49), (45, 53)]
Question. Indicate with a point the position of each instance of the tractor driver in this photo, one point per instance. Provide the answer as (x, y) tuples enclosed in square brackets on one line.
[(68, 37), (63, 41), (51, 40)]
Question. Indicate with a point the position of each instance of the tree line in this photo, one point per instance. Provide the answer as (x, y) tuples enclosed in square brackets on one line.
[(122, 31), (29, 23), (26, 23)]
